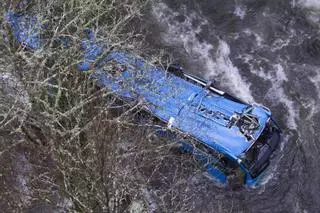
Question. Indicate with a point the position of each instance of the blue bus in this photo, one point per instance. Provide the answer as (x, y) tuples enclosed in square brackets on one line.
[(234, 140)]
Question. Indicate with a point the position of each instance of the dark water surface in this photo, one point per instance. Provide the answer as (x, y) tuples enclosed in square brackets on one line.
[(264, 51)]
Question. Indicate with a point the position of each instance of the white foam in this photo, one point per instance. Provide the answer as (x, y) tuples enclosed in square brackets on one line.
[(316, 81), (185, 34), (280, 74), (313, 104), (259, 39), (230, 74), (310, 4), (240, 11), (312, 9), (277, 93), (293, 114), (5, 76)]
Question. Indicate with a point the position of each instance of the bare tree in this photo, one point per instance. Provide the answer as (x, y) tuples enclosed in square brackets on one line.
[(62, 107), (68, 144)]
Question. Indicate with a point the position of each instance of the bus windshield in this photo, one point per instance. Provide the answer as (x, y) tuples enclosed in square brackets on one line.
[(256, 159)]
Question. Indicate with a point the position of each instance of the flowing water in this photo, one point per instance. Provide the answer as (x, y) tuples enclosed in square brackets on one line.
[(264, 51)]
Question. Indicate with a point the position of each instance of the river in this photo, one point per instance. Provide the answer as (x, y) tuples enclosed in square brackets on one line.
[(264, 51)]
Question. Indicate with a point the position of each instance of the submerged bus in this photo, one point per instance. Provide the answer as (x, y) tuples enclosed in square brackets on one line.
[(230, 137)]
